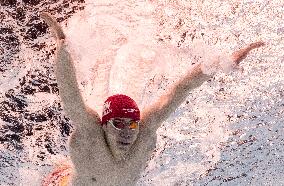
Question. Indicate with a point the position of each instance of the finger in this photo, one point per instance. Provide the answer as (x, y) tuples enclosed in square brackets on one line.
[(256, 45)]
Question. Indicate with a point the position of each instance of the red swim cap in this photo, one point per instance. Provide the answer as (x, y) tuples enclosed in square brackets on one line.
[(120, 106)]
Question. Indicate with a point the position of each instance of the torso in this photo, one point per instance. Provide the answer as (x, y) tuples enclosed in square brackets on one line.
[(95, 164)]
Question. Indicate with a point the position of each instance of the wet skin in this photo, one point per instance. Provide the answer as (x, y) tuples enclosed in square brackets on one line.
[(121, 137)]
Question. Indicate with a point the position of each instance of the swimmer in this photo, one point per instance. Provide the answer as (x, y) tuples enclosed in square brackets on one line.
[(114, 149)]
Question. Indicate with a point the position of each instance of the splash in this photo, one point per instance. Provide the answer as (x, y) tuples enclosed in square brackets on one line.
[(117, 49)]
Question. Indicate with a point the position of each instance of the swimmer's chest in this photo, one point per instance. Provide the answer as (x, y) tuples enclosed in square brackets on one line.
[(95, 170), (94, 163)]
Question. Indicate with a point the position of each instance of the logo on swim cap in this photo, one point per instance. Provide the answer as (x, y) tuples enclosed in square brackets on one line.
[(106, 108), (120, 106)]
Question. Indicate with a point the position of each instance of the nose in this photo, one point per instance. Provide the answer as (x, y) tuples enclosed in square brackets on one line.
[(126, 134)]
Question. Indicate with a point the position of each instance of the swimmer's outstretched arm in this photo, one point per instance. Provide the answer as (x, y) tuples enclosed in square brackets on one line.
[(155, 114), (67, 83)]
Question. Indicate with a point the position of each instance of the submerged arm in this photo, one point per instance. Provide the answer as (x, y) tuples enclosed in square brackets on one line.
[(67, 83), (156, 113)]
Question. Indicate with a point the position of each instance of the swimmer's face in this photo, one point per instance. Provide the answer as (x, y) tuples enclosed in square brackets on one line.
[(121, 133)]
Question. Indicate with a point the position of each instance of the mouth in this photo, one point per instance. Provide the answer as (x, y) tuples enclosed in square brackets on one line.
[(123, 143)]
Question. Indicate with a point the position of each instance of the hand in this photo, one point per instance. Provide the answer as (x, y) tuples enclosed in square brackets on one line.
[(241, 54), (52, 23)]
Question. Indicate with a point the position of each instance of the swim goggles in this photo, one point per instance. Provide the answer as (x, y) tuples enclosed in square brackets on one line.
[(120, 124)]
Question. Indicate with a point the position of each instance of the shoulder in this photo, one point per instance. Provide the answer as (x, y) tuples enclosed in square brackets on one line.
[(87, 141), (150, 122), (145, 144), (88, 130), (147, 134), (93, 117)]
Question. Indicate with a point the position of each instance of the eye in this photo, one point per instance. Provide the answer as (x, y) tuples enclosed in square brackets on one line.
[(133, 125), (118, 124)]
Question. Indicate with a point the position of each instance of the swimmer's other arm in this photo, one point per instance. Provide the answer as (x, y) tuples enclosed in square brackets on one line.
[(156, 113), (69, 92)]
